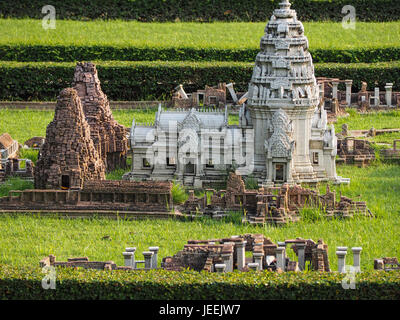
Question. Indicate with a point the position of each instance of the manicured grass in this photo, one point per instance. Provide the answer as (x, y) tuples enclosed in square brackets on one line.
[(378, 120), (26, 239), (14, 184), (27, 123), (194, 35)]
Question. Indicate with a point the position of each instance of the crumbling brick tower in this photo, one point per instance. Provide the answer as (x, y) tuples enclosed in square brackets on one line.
[(108, 136), (68, 156)]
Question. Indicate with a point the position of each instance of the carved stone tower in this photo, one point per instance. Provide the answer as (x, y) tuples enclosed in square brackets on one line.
[(283, 95)]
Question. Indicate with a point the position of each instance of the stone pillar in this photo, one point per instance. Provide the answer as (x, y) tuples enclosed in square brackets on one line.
[(147, 259), (301, 255), (321, 90), (241, 254), (133, 250), (341, 261), (349, 83), (258, 258), (388, 88), (341, 249), (253, 266), (335, 85), (154, 257), (232, 92), (282, 244), (128, 259), (376, 97), (227, 259), (357, 258), (280, 258), (182, 92), (220, 267)]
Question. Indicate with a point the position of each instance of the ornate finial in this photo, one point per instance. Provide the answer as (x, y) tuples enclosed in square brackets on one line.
[(285, 4)]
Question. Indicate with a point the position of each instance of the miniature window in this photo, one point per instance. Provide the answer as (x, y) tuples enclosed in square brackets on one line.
[(200, 97), (279, 172), (212, 100), (171, 161), (315, 158), (190, 168), (210, 164), (350, 145), (146, 163), (141, 197), (65, 183)]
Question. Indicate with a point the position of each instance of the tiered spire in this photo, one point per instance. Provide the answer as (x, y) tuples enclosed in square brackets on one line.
[(283, 68)]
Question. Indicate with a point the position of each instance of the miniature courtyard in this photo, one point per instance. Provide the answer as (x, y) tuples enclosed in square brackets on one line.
[(81, 184)]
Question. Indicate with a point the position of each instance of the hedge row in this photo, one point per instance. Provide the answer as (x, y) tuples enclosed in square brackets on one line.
[(26, 284), (76, 53), (204, 10), (151, 80)]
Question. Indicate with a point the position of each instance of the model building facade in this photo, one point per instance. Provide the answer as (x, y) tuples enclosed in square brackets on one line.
[(282, 136)]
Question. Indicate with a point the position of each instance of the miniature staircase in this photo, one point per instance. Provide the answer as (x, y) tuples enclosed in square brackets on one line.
[(188, 180)]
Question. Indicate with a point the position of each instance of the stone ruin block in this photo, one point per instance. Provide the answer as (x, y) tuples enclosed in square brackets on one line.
[(68, 156), (109, 137), (319, 257), (211, 96), (386, 264), (392, 154), (8, 147), (355, 151), (35, 142), (204, 254), (82, 262)]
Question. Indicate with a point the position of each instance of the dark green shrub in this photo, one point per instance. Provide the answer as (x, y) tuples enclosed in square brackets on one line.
[(205, 10), (26, 283), (151, 80), (60, 53)]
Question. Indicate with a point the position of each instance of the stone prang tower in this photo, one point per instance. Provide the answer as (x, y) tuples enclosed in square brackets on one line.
[(108, 136), (291, 140), (68, 157)]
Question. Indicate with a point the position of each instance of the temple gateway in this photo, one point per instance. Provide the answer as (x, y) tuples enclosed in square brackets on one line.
[(282, 136)]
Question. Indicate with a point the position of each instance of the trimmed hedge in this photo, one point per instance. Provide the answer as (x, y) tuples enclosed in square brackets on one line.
[(61, 53), (152, 80), (25, 284), (204, 10)]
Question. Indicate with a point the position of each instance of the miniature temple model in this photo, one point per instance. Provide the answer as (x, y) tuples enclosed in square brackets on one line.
[(290, 141)]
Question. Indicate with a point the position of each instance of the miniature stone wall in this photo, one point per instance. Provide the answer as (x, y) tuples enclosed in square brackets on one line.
[(387, 264), (12, 168), (8, 147), (272, 205), (99, 195), (354, 151), (228, 254), (68, 156), (79, 263), (108, 136), (35, 142), (392, 154), (211, 96)]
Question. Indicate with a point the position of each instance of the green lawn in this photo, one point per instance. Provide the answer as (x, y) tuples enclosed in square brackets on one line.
[(378, 120), (321, 35), (27, 123), (24, 240), (34, 122)]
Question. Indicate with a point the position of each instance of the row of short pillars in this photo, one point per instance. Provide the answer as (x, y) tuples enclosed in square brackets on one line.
[(341, 253), (150, 258)]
